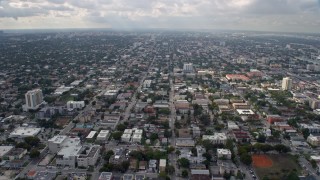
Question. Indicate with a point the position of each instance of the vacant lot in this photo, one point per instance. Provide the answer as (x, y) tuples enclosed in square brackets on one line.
[(279, 166), (261, 161)]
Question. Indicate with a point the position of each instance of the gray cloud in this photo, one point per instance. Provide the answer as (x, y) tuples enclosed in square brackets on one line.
[(234, 14)]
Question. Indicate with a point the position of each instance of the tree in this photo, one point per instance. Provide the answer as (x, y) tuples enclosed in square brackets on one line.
[(108, 155), (23, 145), (292, 176), (117, 135), (184, 173), (281, 148), (121, 127), (305, 133), (246, 159), (170, 169), (153, 136), (34, 153), (261, 138), (194, 151), (197, 110), (170, 149), (184, 162), (205, 119), (167, 133), (178, 153), (32, 140)]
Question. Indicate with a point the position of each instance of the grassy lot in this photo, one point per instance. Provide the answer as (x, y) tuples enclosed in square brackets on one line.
[(282, 165)]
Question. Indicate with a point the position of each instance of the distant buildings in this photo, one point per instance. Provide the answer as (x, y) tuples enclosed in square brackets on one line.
[(34, 99), (286, 84)]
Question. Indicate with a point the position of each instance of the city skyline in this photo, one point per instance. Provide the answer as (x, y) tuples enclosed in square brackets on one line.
[(255, 15)]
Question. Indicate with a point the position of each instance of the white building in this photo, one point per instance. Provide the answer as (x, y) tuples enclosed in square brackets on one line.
[(91, 135), (126, 137), (34, 99), (88, 156), (136, 138), (314, 140), (103, 135), (106, 176), (147, 83), (128, 131), (22, 132), (138, 131), (60, 141), (286, 84), (4, 150), (217, 138), (67, 156), (188, 68), (224, 153), (75, 104)]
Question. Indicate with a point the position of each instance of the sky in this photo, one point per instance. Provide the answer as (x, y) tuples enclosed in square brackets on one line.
[(261, 15)]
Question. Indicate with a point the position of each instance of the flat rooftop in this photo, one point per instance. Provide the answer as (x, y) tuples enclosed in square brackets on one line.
[(25, 131)]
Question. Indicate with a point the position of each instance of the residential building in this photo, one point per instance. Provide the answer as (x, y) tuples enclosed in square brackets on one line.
[(15, 154), (4, 150), (34, 99), (187, 68), (126, 137), (286, 84)]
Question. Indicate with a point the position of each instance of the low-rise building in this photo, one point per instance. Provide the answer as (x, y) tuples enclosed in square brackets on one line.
[(185, 142), (75, 104), (22, 132), (314, 140), (91, 135), (217, 138), (15, 154), (136, 138), (224, 153), (103, 135), (60, 141), (106, 176), (162, 165), (88, 156), (4, 150), (67, 156), (126, 137)]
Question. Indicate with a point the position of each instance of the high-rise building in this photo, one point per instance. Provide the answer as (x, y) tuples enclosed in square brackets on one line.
[(188, 68), (286, 84), (34, 99)]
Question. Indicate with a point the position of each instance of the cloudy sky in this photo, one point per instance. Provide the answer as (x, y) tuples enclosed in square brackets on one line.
[(266, 15)]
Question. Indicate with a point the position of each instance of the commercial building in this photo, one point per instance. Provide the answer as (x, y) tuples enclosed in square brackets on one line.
[(22, 132), (60, 141), (286, 84), (34, 99), (4, 150), (67, 156), (75, 104)]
